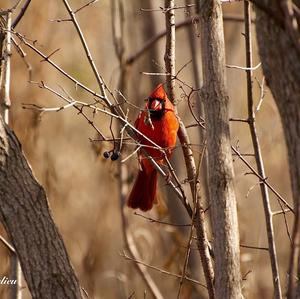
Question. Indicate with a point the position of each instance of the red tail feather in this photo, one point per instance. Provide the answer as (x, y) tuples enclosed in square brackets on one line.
[(143, 193)]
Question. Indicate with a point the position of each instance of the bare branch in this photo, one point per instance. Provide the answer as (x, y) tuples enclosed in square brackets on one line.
[(85, 5), (189, 21), (21, 14), (258, 154), (51, 54), (243, 68), (5, 71), (281, 212), (187, 255), (23, 56), (88, 53), (7, 244), (203, 244), (164, 271), (254, 247), (132, 154), (151, 220), (170, 48), (77, 83), (264, 180), (262, 95)]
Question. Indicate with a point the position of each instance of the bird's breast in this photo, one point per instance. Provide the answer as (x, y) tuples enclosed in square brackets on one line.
[(162, 132)]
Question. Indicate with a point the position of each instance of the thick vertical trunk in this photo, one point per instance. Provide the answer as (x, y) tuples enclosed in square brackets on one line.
[(220, 166), (25, 214), (281, 66)]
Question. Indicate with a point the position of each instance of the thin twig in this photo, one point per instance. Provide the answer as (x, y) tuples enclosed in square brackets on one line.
[(5, 72), (132, 154), (79, 107), (254, 247), (169, 56), (203, 244), (243, 120), (7, 244), (51, 54), (85, 5), (189, 21), (243, 68), (280, 212), (187, 255), (23, 55), (262, 179), (21, 14), (193, 113), (17, 4), (151, 220), (88, 53), (164, 271), (258, 154), (52, 109), (166, 8), (262, 94), (176, 180), (51, 62)]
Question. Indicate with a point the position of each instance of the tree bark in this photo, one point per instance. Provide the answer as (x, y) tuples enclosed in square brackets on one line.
[(25, 215), (220, 166), (281, 67)]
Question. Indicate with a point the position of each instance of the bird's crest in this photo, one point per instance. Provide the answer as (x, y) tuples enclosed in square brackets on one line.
[(158, 93)]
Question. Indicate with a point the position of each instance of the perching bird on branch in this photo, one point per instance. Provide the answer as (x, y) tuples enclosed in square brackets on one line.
[(159, 123)]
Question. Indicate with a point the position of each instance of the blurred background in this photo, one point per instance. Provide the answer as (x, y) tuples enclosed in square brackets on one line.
[(82, 186)]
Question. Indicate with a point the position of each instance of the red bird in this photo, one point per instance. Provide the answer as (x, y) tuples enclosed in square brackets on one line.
[(159, 123)]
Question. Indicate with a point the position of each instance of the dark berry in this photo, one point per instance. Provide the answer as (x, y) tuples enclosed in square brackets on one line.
[(115, 156), (106, 155)]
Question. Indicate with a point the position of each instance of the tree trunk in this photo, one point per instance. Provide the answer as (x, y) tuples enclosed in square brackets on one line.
[(220, 166), (25, 215), (281, 66)]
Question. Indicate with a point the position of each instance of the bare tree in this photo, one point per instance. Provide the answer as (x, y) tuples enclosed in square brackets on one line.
[(35, 238), (277, 30), (220, 166), (25, 214)]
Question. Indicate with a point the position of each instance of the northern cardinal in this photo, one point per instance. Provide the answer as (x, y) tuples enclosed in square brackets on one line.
[(159, 123)]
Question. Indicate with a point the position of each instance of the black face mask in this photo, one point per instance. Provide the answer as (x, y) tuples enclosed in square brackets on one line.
[(156, 114)]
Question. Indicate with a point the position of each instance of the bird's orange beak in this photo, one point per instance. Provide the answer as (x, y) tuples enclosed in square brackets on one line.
[(156, 105)]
